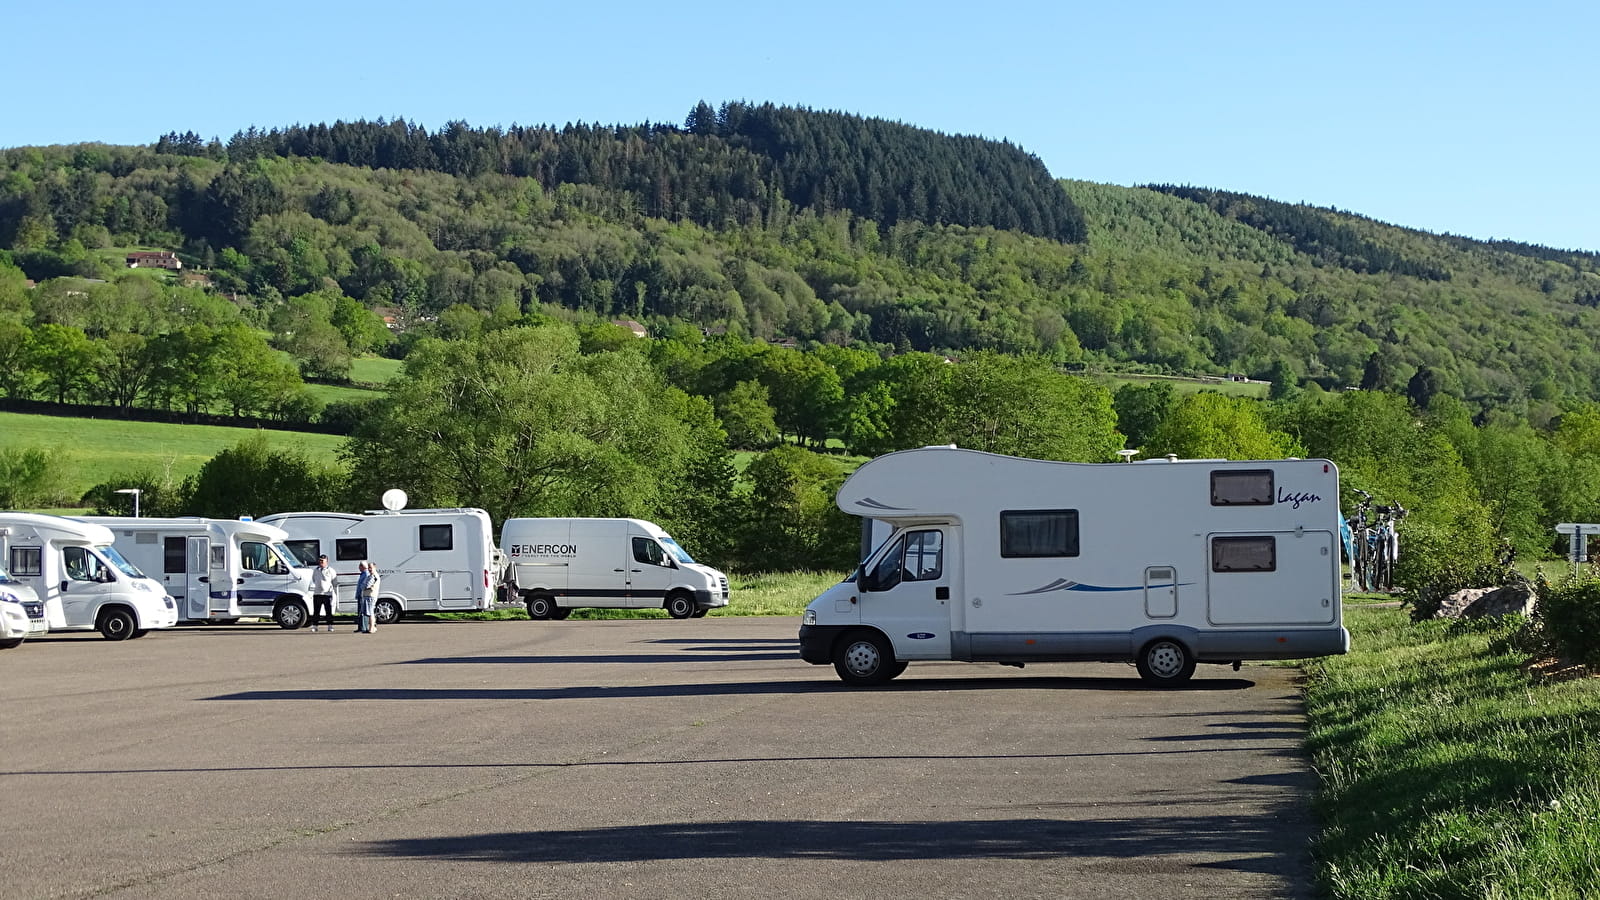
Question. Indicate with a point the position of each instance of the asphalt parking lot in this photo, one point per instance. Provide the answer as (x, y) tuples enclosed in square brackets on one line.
[(642, 758)]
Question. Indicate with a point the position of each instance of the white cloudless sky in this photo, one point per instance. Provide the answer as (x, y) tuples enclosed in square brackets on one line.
[(1464, 117)]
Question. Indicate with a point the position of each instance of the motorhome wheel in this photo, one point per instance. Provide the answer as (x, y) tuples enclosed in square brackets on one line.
[(290, 614), (386, 611), (1165, 663), (865, 658), (117, 624)]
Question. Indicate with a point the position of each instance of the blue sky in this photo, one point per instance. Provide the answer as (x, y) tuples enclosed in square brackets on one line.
[(1473, 118)]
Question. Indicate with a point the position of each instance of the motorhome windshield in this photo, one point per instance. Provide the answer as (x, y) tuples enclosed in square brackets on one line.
[(678, 553), (113, 557)]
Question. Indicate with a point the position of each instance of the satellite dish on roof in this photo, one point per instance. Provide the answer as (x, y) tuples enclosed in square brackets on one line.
[(394, 499)]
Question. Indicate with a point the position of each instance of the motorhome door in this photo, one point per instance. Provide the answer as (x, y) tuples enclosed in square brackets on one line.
[(184, 573), (910, 593)]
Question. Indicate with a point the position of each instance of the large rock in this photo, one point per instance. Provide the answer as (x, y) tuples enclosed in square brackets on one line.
[(1476, 603)]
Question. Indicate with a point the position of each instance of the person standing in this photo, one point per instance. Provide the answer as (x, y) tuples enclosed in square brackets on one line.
[(364, 599), (369, 598), (323, 579)]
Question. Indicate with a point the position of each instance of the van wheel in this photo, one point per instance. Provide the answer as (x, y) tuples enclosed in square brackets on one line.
[(865, 658), (699, 614), (290, 615), (11, 644), (1165, 663), (560, 612), (141, 632), (680, 606), (386, 611), (541, 607), (117, 624)]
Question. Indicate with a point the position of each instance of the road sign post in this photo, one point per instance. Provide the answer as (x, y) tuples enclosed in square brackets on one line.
[(1578, 550)]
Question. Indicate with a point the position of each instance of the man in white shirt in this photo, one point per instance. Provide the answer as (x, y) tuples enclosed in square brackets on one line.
[(322, 584)]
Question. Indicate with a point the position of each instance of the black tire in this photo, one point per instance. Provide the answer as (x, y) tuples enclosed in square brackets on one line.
[(679, 605), (386, 611), (117, 625), (291, 614), (699, 614), (865, 658), (11, 644), (541, 607), (1165, 662), (560, 612), (140, 633)]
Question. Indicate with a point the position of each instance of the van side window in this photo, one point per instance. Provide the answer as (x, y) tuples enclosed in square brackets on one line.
[(1242, 487), (1244, 554), (434, 537), (1038, 532), (917, 556), (648, 551), (174, 555), (305, 552), (348, 549), (26, 561), (81, 565)]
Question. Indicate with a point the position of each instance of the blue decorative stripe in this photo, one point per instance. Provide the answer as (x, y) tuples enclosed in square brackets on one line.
[(1062, 584)]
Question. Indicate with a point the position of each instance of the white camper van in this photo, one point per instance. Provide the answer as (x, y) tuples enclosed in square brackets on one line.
[(84, 582), (21, 612), (1164, 563), (558, 565), (428, 559), (218, 570)]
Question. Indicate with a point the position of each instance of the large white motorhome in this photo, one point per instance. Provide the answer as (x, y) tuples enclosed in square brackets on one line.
[(558, 565), (1162, 563), (427, 559), (218, 570), (21, 612), (84, 582)]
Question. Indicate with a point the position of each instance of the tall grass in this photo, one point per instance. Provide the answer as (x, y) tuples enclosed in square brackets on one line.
[(1447, 771)]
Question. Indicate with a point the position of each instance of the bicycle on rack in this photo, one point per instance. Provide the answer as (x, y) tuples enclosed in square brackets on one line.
[(1376, 542)]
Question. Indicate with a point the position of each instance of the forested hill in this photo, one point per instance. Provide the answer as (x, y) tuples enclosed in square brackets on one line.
[(733, 164), (774, 222)]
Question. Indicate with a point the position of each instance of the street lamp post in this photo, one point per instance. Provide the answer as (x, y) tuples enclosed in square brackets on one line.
[(135, 492)]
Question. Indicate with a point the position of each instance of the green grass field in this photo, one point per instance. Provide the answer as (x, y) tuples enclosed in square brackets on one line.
[(374, 369), (1191, 385), (96, 450), (1447, 769)]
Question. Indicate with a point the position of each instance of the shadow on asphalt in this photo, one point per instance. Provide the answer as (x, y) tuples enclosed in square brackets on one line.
[(716, 656), (732, 688), (1152, 840)]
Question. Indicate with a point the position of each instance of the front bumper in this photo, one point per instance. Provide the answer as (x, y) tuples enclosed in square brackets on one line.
[(816, 642)]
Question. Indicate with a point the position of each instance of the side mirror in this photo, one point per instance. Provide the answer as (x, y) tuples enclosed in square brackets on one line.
[(865, 580)]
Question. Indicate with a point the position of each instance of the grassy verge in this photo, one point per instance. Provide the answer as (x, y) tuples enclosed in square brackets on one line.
[(1447, 771), (766, 594)]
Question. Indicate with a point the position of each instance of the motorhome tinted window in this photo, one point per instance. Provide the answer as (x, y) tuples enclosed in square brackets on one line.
[(1039, 532), (1242, 487), (886, 573), (435, 537), (174, 555), (306, 552), (1244, 554), (26, 561), (254, 555), (350, 549), (81, 565)]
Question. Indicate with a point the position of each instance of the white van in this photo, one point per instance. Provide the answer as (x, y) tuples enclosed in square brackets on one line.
[(427, 559), (218, 570), (1162, 563), (84, 582), (21, 612), (558, 565)]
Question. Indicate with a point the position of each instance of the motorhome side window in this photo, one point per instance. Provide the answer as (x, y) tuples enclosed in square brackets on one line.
[(254, 555), (174, 555), (1244, 554), (26, 561), (434, 537), (81, 565), (1038, 533), (306, 552), (917, 556), (349, 549), (1242, 487), (648, 551)]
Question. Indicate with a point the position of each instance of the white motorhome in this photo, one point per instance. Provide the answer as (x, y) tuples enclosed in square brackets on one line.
[(427, 559), (81, 578), (1165, 563), (558, 565), (218, 570), (21, 612)]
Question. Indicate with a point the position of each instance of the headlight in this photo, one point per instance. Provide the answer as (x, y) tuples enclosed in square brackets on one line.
[(810, 617)]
